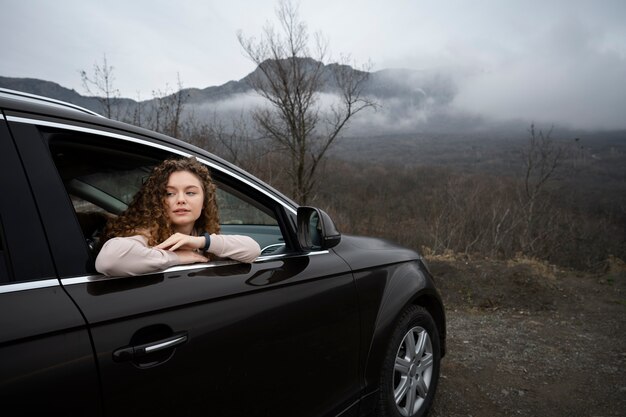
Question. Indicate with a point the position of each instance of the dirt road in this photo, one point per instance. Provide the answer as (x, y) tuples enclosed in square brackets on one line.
[(526, 339)]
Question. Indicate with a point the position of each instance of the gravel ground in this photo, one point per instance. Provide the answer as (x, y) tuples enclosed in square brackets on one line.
[(527, 339)]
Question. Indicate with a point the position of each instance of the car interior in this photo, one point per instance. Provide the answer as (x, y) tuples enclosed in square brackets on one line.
[(101, 179)]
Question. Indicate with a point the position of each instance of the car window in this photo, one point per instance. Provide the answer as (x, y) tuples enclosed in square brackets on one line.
[(236, 210), (101, 178), (4, 270), (24, 251), (242, 215)]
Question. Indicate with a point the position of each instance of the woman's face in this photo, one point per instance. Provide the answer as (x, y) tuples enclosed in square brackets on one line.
[(184, 200)]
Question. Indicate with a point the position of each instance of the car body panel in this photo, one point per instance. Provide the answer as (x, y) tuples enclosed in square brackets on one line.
[(388, 277), (268, 318), (45, 352), (379, 252)]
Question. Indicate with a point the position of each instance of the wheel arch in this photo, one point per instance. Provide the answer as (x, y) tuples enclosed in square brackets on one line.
[(409, 284), (435, 308)]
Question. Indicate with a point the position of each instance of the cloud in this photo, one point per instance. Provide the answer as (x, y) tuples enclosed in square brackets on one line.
[(561, 61), (570, 74)]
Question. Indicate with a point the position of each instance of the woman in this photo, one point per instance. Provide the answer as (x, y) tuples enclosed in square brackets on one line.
[(172, 220)]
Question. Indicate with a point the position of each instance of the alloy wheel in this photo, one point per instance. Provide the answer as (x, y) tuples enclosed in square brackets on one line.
[(413, 371)]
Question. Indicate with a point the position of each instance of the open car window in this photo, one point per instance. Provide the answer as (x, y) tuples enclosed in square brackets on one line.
[(102, 176)]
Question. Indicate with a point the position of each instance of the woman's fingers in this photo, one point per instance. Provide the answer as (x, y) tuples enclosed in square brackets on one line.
[(189, 257), (167, 243), (173, 242), (181, 241)]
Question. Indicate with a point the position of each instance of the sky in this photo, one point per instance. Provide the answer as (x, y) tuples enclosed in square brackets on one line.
[(557, 61)]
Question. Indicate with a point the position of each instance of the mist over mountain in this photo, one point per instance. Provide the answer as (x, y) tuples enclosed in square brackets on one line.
[(408, 100)]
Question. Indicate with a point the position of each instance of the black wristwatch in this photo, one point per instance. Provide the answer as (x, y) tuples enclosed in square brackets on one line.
[(207, 241)]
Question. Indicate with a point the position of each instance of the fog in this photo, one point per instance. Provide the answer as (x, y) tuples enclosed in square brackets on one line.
[(567, 75)]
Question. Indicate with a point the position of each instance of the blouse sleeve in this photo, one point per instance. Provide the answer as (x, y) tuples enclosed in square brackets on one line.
[(127, 256), (240, 248)]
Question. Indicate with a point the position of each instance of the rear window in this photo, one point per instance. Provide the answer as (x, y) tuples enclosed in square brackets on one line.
[(4, 264)]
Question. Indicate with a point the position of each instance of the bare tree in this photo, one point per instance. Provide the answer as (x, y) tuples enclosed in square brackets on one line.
[(542, 157), (167, 109), (137, 112), (100, 84), (292, 77)]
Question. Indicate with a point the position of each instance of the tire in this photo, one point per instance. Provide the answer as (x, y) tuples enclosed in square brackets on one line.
[(409, 381)]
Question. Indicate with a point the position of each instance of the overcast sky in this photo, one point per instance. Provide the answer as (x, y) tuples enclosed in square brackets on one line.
[(559, 61)]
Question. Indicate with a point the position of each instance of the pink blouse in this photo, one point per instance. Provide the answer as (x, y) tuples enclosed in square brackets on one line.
[(127, 256)]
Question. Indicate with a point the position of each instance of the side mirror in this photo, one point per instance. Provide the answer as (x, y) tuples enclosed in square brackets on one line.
[(316, 230)]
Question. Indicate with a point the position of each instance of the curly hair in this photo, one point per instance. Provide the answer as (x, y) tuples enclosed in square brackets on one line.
[(147, 214)]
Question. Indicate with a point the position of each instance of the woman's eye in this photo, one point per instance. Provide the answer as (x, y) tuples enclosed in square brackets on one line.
[(168, 194), (191, 193)]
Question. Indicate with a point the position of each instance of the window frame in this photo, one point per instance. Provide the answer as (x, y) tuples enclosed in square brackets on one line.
[(25, 247)]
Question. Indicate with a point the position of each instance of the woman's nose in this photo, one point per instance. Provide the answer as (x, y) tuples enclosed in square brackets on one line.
[(181, 199)]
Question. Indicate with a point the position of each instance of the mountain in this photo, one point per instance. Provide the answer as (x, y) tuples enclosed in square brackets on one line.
[(56, 91), (408, 101), (49, 89), (407, 86)]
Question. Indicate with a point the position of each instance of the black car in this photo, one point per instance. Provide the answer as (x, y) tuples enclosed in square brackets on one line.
[(321, 324)]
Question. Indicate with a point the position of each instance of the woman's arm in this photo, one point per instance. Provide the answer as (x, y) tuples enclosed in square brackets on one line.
[(126, 256), (237, 247)]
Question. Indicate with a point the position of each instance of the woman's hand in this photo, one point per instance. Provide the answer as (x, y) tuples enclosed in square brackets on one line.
[(181, 241), (190, 257), (184, 246)]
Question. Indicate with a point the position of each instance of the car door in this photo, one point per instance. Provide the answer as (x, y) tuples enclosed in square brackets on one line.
[(47, 366), (278, 337)]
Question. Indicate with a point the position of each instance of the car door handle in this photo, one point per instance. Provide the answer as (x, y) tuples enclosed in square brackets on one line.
[(133, 352)]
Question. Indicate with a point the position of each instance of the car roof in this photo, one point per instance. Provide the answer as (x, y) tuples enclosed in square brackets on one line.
[(41, 100)]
